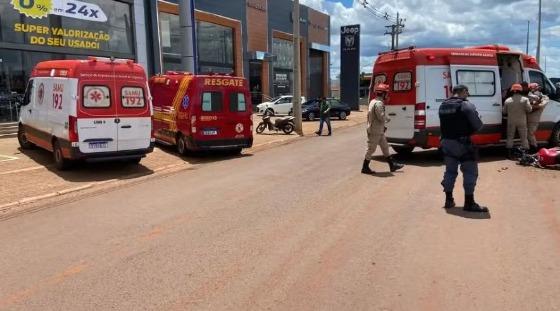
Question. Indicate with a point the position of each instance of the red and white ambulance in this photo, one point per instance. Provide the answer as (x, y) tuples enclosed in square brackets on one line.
[(421, 79), (94, 109), (202, 112)]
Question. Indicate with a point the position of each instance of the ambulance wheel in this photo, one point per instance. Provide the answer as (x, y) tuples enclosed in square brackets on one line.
[(261, 127), (60, 162), (22, 139), (555, 137), (182, 144), (403, 150)]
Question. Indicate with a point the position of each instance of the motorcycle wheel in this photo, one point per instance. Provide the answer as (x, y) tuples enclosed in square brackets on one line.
[(288, 128), (261, 127)]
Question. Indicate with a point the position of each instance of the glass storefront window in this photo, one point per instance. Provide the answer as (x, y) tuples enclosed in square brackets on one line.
[(283, 66), (214, 43), (170, 41), (215, 48), (284, 52)]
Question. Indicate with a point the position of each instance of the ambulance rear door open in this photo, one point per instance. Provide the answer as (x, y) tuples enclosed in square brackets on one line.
[(437, 86), (400, 109), (483, 82)]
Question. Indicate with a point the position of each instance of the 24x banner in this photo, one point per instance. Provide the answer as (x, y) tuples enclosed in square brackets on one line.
[(67, 8)]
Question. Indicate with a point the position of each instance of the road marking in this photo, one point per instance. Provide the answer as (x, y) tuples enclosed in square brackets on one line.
[(7, 158), (33, 168)]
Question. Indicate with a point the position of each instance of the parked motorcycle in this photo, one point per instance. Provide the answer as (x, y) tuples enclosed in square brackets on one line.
[(285, 124)]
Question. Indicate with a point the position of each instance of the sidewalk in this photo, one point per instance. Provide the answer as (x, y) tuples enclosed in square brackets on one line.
[(31, 177)]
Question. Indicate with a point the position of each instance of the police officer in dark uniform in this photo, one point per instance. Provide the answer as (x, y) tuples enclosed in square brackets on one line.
[(458, 121)]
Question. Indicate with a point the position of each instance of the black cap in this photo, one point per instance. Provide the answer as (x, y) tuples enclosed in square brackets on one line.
[(459, 88)]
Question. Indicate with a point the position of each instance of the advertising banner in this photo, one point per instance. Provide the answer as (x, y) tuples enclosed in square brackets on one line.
[(103, 25)]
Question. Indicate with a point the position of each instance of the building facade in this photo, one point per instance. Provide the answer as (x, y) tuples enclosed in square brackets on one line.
[(251, 38), (245, 38)]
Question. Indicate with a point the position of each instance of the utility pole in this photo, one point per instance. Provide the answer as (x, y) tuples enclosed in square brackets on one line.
[(296, 99), (400, 25), (394, 31), (188, 39), (527, 48), (539, 34)]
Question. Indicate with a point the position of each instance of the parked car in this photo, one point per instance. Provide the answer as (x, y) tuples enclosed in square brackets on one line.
[(310, 109), (555, 80), (280, 105)]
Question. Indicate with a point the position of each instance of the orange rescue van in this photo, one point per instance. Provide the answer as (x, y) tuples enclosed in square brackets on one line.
[(202, 112)]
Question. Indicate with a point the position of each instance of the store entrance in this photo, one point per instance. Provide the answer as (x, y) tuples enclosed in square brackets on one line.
[(316, 75), (255, 82)]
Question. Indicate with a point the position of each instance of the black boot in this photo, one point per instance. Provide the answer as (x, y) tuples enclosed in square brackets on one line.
[(366, 169), (472, 206), (449, 201), (509, 155), (394, 166)]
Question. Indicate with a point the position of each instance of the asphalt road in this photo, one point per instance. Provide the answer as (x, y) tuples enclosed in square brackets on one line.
[(295, 227)]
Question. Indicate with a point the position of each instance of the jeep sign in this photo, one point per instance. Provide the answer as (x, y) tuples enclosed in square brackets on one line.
[(350, 65)]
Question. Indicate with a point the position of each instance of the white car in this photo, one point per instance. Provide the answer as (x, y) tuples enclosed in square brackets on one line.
[(281, 105)]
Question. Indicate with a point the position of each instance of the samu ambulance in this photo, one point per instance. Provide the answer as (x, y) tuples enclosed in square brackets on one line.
[(202, 112), (95, 109), (421, 79)]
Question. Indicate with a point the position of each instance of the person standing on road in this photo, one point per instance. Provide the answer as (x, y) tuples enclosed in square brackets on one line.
[(538, 103), (459, 120), (376, 130), (517, 107), (324, 116)]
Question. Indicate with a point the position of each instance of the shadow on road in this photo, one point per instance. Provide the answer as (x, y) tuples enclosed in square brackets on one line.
[(382, 174), (278, 133), (91, 172), (459, 212), (201, 157), (433, 157), (81, 171)]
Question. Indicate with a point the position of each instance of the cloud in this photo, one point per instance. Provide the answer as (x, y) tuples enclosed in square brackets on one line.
[(450, 23)]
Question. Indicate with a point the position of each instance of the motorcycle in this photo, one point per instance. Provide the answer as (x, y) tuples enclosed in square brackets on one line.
[(285, 124)]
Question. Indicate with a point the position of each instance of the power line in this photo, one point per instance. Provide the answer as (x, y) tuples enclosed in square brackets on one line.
[(377, 13), (394, 30)]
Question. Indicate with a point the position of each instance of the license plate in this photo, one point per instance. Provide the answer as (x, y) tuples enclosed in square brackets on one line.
[(210, 132), (99, 145)]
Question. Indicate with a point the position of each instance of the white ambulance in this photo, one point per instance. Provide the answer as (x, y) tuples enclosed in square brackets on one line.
[(421, 79), (95, 110)]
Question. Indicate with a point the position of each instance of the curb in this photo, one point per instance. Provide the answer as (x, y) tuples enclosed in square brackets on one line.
[(6, 207)]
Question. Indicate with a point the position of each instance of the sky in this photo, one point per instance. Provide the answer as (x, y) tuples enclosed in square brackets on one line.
[(447, 23)]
